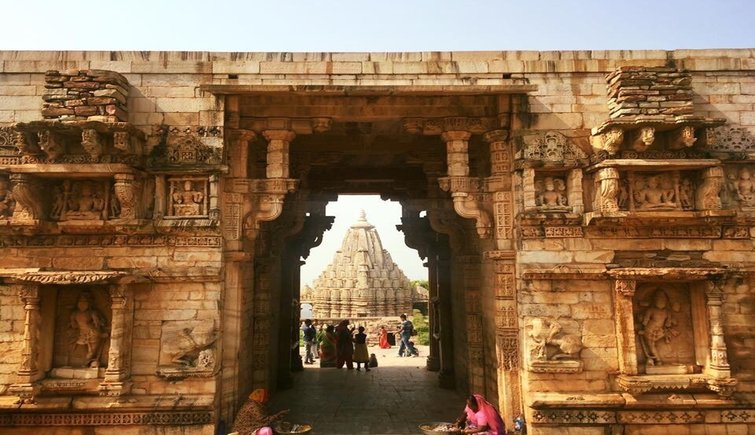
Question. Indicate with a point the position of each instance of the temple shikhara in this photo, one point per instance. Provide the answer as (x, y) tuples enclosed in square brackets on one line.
[(587, 220), (362, 281)]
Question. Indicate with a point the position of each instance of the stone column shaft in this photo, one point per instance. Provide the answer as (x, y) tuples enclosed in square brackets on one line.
[(278, 152), (26, 387)]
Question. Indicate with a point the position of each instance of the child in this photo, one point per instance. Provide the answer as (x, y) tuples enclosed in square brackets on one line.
[(360, 349)]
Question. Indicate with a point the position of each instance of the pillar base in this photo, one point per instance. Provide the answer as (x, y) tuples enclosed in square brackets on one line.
[(114, 388), (433, 364), (26, 392)]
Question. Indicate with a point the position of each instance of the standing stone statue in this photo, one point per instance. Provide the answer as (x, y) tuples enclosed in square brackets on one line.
[(90, 325)]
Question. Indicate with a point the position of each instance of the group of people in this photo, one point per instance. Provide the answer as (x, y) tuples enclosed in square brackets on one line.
[(404, 332), (337, 343)]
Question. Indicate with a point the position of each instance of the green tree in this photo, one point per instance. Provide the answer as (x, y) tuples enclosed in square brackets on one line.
[(422, 326)]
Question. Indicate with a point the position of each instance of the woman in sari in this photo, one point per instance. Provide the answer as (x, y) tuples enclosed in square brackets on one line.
[(481, 417), (253, 418), (344, 345), (384, 338), (328, 346)]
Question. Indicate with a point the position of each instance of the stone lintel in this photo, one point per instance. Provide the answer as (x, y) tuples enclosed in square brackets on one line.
[(577, 400), (368, 90), (674, 273), (81, 170), (562, 272), (641, 165)]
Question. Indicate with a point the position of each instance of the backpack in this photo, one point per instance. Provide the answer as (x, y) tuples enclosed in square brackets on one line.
[(412, 330)]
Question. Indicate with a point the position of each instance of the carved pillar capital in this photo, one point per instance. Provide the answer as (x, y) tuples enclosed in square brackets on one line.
[(496, 137), (708, 194), (455, 136), (279, 135), (625, 287), (27, 194), (92, 143)]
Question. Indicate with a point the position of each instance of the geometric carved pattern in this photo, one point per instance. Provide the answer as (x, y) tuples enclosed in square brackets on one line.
[(660, 417), (573, 417), (108, 240), (107, 419)]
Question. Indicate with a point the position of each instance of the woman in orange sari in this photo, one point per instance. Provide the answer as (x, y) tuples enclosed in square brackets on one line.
[(254, 418), (384, 338)]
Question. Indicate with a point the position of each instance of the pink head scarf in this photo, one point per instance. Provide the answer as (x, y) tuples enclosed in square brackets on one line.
[(495, 422)]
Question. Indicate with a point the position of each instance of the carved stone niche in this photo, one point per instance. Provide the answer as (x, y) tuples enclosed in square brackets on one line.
[(551, 350), (187, 349), (186, 197), (83, 201), (740, 187), (634, 188), (669, 331), (552, 191)]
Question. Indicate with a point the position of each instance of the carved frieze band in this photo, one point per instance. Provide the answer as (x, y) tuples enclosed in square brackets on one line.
[(85, 241), (654, 417), (107, 419)]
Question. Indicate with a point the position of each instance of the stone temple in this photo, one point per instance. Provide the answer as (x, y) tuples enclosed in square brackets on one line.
[(587, 219), (362, 280)]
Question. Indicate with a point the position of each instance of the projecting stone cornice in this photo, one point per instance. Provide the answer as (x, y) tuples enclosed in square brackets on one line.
[(427, 90), (63, 277), (674, 273)]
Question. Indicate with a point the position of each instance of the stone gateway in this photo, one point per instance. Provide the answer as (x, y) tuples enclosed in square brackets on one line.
[(587, 220)]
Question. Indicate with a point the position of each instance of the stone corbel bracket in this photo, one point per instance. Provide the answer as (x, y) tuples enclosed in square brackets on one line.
[(266, 202), (641, 132), (467, 192), (468, 201)]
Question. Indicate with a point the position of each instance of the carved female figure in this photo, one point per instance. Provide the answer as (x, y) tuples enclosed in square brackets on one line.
[(187, 202), (745, 187), (657, 324), (91, 328)]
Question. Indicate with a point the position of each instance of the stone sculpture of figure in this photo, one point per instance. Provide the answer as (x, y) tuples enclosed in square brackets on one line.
[(656, 324), (744, 186), (58, 204), (550, 196), (187, 202), (669, 191), (7, 204), (653, 196), (90, 325), (543, 332), (686, 194), (189, 346), (85, 203)]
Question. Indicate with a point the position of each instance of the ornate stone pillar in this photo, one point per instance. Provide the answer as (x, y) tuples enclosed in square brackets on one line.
[(125, 190), (457, 146), (624, 317), (26, 387), (238, 153), (719, 362), (607, 190), (278, 152), (119, 365), (26, 192)]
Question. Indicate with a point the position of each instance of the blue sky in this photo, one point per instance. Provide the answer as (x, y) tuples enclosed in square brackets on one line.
[(386, 25)]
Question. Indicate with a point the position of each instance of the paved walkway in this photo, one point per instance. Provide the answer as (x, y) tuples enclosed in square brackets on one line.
[(393, 398)]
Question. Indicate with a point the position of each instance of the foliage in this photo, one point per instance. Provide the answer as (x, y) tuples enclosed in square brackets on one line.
[(422, 326), (421, 282)]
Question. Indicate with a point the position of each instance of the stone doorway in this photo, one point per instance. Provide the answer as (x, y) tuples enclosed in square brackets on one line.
[(292, 152)]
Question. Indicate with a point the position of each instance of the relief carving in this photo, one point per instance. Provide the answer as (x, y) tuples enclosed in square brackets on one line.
[(708, 193), (7, 204), (188, 197), (664, 330), (643, 138), (90, 328), (552, 147), (655, 192), (550, 349), (551, 194), (26, 193), (187, 349), (742, 186), (607, 190), (732, 139)]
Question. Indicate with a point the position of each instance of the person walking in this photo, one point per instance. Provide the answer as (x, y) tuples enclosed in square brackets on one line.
[(318, 339), (405, 332), (344, 345), (310, 334), (360, 349)]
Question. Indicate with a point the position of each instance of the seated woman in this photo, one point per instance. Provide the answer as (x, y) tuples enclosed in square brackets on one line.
[(481, 417), (253, 418), (328, 348)]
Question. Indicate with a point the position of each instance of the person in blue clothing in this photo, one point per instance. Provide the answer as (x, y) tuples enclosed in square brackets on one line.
[(405, 332)]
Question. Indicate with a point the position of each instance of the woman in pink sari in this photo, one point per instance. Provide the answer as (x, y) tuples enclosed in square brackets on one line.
[(481, 417)]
